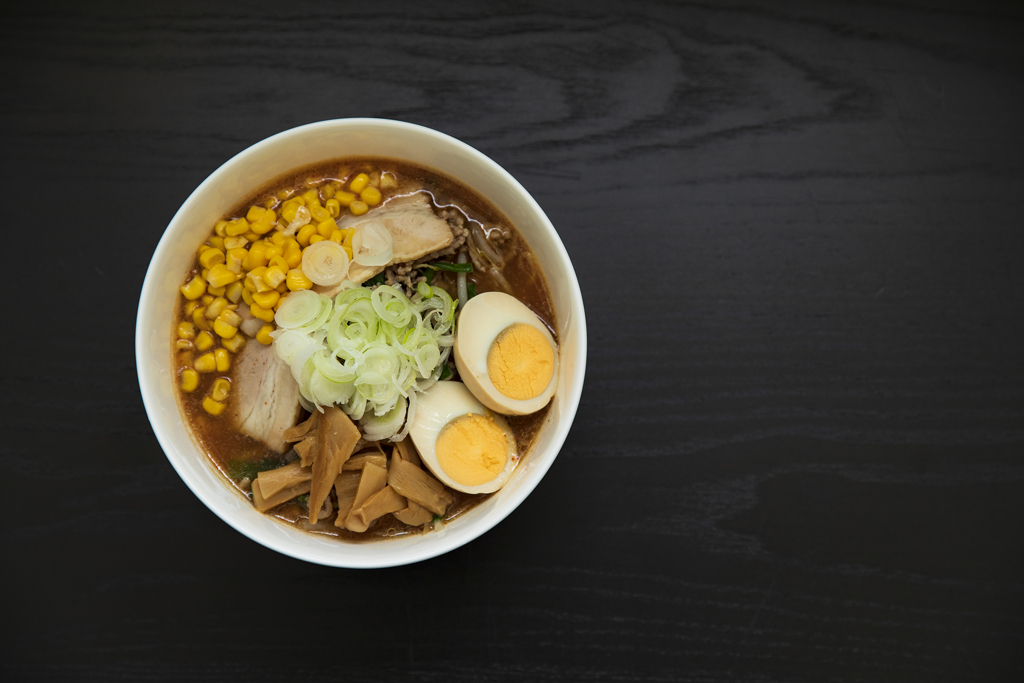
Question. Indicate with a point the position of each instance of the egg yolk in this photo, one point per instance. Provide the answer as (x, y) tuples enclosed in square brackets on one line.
[(520, 362), (472, 449)]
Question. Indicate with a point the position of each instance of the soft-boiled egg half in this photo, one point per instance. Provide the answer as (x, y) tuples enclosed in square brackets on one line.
[(465, 445), (505, 354)]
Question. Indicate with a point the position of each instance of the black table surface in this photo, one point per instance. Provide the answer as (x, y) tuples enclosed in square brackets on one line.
[(798, 233)]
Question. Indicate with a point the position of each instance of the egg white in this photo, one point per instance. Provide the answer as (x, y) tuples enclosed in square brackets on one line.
[(435, 408), (482, 319)]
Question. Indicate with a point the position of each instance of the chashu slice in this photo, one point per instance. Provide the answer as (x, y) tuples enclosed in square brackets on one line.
[(264, 397), (415, 231)]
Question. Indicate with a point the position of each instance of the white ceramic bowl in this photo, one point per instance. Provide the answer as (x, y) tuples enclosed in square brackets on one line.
[(266, 161)]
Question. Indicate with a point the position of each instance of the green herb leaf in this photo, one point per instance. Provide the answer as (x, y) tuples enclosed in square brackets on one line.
[(377, 279), (446, 372), (248, 469), (429, 274), (450, 267), (471, 289), (438, 518)]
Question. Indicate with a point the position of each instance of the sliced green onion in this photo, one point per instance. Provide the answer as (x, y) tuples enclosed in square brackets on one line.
[(450, 267), (424, 289)]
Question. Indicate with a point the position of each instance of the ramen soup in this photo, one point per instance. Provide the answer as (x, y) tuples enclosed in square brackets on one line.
[(365, 348)]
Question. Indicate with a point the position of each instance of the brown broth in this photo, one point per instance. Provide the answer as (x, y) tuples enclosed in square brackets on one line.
[(239, 457)]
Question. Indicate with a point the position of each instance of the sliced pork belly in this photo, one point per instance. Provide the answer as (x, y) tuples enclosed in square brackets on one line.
[(415, 231), (265, 397)]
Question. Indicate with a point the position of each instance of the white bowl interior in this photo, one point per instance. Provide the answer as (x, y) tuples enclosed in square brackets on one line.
[(252, 169)]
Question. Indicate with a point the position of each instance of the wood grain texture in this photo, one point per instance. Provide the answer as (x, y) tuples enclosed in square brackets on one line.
[(797, 227)]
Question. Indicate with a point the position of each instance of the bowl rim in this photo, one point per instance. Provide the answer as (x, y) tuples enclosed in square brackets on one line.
[(442, 543)]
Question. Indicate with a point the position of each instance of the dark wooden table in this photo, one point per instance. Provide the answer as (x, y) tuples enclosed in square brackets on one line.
[(798, 230)]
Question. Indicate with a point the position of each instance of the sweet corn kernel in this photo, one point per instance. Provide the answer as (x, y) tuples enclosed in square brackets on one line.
[(280, 263), (234, 292), (359, 183), (281, 289), (279, 238), (358, 208), (239, 226), (247, 296), (254, 280), (189, 380), (234, 344), (214, 309), (375, 178), (216, 291), (251, 236), (217, 242), (388, 181), (263, 336), (211, 257), (311, 197), (270, 202), (219, 227), (262, 227), (297, 280), (257, 255), (213, 407), (204, 341), (371, 196), (207, 299), (326, 227), (199, 319), (191, 306), (293, 254), (230, 317), (274, 276), (337, 236), (264, 314), (224, 330), (235, 242), (273, 250), (203, 274), (319, 214), (305, 233), (333, 208), (206, 363), (344, 198), (316, 238), (255, 213), (288, 212), (194, 289), (186, 359), (327, 191), (221, 386), (266, 299), (223, 359), (183, 345), (221, 276), (186, 330)]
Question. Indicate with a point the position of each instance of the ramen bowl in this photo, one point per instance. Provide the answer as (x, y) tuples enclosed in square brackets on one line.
[(255, 167)]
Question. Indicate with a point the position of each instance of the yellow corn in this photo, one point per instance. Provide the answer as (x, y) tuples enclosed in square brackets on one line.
[(263, 336), (297, 280), (326, 227), (293, 254), (204, 341), (235, 242), (217, 242), (216, 291), (234, 292), (183, 345), (337, 236), (206, 363), (213, 407), (195, 288), (223, 359), (186, 330), (273, 250), (221, 276), (234, 344), (239, 226), (223, 329), (266, 299), (207, 299), (375, 178), (358, 208), (388, 181), (186, 359), (344, 198), (327, 191), (311, 197), (282, 289), (203, 273), (231, 317), (235, 260), (275, 275), (316, 238), (288, 212), (359, 183), (199, 319), (371, 196), (191, 306), (333, 207), (279, 238), (254, 280), (211, 257), (319, 213), (219, 227), (247, 296), (264, 314), (221, 387), (262, 227), (255, 213), (305, 233), (257, 255), (189, 380), (215, 307), (251, 236)]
